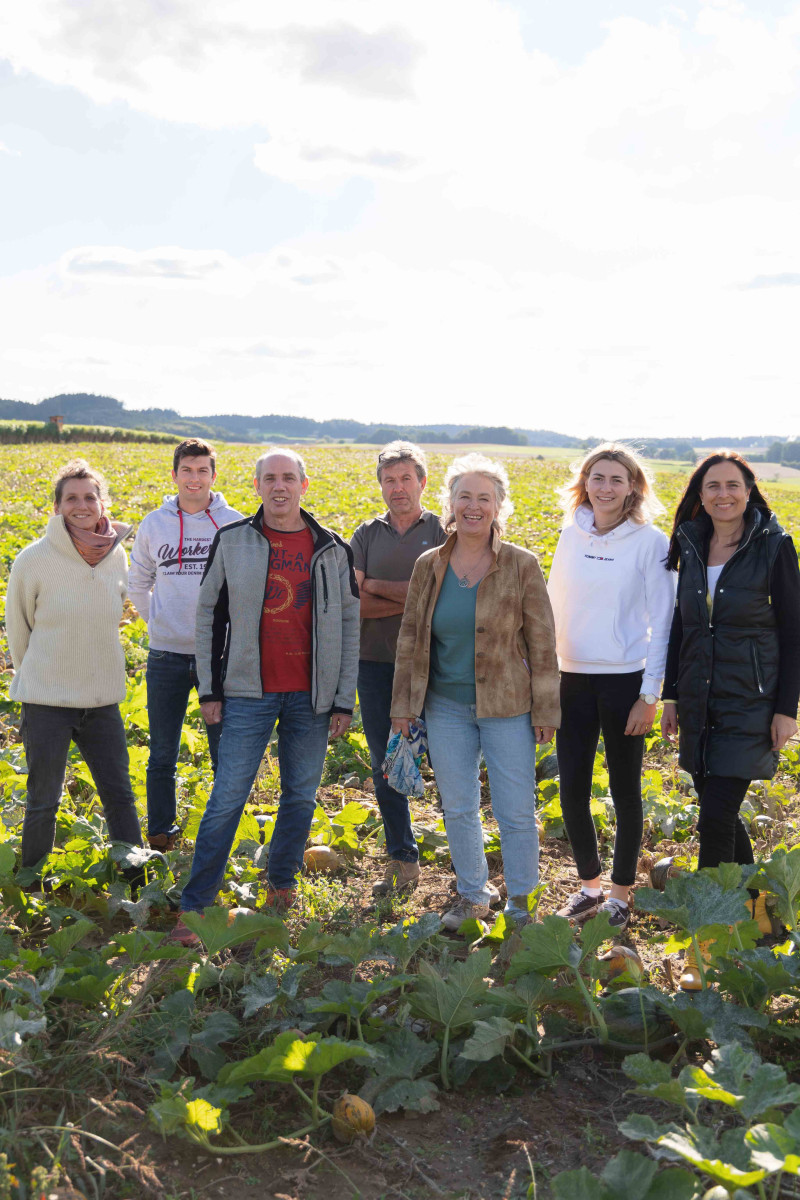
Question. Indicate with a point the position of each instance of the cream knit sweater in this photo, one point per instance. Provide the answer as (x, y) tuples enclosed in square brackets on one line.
[(62, 620)]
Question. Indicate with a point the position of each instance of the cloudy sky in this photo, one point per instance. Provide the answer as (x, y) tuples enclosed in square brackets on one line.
[(568, 214)]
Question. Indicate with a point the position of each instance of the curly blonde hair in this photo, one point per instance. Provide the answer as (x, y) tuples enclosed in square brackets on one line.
[(477, 464), (641, 506)]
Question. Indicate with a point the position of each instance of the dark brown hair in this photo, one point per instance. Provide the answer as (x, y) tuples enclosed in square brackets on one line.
[(690, 506), (78, 468), (194, 448)]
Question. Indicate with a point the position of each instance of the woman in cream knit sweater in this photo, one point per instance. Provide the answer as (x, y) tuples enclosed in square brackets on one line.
[(63, 609)]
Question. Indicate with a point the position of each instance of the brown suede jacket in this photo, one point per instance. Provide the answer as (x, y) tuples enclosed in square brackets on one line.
[(516, 669)]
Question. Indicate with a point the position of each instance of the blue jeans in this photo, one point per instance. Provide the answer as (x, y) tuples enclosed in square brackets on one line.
[(375, 681), (457, 737), (247, 728), (170, 679)]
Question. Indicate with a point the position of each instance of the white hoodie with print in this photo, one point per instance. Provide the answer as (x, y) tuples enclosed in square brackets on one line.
[(612, 599), (168, 559)]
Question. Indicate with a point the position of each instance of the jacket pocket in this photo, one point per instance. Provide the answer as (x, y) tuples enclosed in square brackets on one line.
[(757, 668)]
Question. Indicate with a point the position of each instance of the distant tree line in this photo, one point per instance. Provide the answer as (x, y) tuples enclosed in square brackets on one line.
[(35, 431)]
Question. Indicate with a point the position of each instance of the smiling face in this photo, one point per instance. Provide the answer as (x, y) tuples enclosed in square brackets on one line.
[(402, 488), (281, 489), (80, 503), (608, 486), (475, 505), (194, 478), (724, 492)]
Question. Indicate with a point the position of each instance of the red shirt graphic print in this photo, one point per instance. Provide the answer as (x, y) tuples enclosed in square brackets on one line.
[(285, 635)]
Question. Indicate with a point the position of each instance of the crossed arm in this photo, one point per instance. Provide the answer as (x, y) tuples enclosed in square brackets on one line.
[(381, 597)]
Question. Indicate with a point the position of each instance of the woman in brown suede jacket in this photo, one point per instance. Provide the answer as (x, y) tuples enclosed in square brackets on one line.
[(477, 652)]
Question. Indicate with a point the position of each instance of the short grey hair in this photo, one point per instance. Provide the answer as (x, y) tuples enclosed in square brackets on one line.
[(477, 464), (398, 452), (286, 452)]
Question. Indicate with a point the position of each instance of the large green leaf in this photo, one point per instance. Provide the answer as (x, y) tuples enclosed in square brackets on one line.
[(451, 1001), (316, 1058), (412, 1095), (773, 1149), (69, 937), (142, 946), (489, 1039), (578, 1185), (780, 875), (7, 858), (353, 947), (654, 1079), (547, 948), (216, 934), (594, 932), (706, 1014), (628, 1175), (693, 901), (353, 999), (204, 1046), (697, 1146), (259, 993), (13, 1028), (402, 942)]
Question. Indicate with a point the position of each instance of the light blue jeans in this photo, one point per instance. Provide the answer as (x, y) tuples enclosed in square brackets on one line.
[(246, 730), (457, 737)]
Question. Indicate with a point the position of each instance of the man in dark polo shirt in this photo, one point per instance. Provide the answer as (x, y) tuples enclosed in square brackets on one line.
[(384, 552)]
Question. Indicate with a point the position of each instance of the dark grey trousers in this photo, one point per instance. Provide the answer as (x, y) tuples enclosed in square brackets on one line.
[(99, 734)]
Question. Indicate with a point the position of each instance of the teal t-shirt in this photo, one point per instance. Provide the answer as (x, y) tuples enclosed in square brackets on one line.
[(452, 672)]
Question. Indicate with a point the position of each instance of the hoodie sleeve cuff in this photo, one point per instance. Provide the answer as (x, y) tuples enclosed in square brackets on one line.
[(338, 709)]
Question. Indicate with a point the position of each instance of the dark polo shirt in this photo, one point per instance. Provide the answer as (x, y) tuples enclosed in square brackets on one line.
[(381, 553)]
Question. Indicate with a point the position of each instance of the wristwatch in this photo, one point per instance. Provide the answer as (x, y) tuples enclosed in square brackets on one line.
[(648, 697)]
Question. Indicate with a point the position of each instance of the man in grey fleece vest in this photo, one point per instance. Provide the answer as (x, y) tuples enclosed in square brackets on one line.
[(277, 641)]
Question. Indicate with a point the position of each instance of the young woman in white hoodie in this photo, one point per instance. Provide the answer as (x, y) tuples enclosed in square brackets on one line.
[(613, 601)]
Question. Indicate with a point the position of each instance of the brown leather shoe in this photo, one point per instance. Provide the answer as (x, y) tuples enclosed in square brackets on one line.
[(279, 899), (397, 877), (183, 935), (162, 842)]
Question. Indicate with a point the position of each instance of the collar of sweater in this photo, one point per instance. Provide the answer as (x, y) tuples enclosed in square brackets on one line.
[(57, 535)]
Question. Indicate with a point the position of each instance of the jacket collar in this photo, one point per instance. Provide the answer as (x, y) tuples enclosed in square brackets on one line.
[(698, 531), (444, 552), (319, 533)]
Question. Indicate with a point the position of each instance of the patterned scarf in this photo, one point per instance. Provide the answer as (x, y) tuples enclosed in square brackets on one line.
[(93, 544)]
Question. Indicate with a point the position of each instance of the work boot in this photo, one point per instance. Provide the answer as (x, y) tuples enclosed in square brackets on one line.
[(464, 910), (163, 842), (279, 899), (398, 877), (691, 980), (183, 935)]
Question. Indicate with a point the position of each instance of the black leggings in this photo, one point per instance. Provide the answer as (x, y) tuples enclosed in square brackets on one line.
[(723, 835), (589, 704)]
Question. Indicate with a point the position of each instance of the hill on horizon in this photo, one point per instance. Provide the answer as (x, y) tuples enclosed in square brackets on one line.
[(82, 408)]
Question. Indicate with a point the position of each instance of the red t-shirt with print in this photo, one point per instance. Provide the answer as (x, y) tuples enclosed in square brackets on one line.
[(285, 635)]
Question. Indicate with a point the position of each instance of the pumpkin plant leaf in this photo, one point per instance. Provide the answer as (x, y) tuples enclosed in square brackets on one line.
[(547, 948), (579, 1185), (773, 1149), (654, 1079), (692, 901), (628, 1175), (69, 936), (217, 934), (489, 1039), (451, 1001), (780, 875), (413, 1095)]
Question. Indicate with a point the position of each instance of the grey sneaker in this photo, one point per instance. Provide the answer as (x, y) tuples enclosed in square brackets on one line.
[(581, 906), (397, 876), (464, 910), (619, 915)]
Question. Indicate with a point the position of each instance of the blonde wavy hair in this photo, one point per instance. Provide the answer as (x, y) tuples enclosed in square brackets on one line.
[(641, 506), (477, 464)]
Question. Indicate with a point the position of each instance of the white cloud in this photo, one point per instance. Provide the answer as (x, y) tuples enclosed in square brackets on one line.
[(591, 245), (162, 262)]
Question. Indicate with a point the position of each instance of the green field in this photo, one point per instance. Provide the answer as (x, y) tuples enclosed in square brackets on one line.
[(496, 1062)]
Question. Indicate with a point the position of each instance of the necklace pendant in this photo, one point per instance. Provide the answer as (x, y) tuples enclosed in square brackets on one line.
[(463, 581)]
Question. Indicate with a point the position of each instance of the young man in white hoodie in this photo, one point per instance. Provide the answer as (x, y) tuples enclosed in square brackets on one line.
[(168, 560)]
